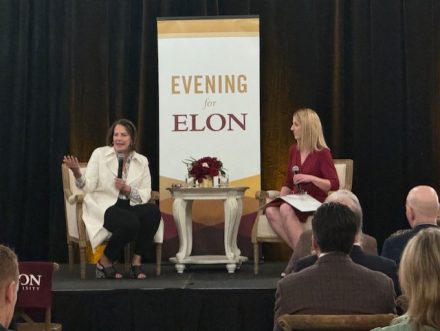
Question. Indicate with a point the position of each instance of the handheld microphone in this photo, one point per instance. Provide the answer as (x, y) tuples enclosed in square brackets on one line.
[(120, 164), (295, 171)]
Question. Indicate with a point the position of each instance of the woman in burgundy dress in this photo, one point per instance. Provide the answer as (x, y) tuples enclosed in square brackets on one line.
[(310, 169)]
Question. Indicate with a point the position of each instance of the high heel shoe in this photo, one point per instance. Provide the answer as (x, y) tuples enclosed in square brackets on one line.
[(136, 271), (107, 272)]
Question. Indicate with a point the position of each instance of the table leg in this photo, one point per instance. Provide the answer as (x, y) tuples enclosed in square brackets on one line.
[(182, 216), (231, 267), (231, 210), (180, 268), (236, 225), (189, 232)]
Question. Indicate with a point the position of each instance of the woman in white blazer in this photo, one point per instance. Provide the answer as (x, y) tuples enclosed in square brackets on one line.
[(117, 186)]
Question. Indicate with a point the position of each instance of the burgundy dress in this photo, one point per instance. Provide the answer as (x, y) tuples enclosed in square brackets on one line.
[(319, 164)]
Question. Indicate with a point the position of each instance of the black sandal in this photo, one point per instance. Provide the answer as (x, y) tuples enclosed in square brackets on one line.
[(107, 272), (135, 271)]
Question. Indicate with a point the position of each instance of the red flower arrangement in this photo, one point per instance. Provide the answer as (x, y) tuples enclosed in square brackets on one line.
[(203, 168)]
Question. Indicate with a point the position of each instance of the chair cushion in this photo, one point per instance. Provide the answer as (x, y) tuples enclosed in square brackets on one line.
[(341, 170), (265, 230)]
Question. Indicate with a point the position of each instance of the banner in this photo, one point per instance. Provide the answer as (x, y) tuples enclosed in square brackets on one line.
[(209, 105)]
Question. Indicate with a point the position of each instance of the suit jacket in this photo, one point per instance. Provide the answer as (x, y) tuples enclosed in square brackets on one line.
[(304, 248), (100, 190), (334, 285), (373, 262), (394, 246)]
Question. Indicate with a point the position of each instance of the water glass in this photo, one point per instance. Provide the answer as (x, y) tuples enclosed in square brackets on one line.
[(223, 180)]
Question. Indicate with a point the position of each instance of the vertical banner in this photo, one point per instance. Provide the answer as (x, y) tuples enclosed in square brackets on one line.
[(209, 105)]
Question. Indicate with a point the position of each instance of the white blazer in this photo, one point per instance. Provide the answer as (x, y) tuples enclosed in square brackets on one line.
[(101, 193)]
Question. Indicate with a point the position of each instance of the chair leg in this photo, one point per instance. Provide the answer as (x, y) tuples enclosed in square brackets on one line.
[(82, 261), (47, 319), (71, 257), (158, 258), (256, 257)]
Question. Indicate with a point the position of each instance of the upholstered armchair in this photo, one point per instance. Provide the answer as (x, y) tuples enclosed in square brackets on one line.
[(262, 231), (76, 231)]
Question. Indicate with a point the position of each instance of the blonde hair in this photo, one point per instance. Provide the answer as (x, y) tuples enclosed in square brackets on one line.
[(419, 276), (312, 137)]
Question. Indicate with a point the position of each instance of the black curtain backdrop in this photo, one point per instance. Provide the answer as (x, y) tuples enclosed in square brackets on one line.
[(68, 68)]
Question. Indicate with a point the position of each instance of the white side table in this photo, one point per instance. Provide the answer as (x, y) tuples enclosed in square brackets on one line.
[(182, 210)]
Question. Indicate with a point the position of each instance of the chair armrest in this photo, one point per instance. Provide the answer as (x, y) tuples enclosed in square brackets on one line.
[(332, 322), (155, 196), (272, 194), (266, 196), (261, 197), (74, 198)]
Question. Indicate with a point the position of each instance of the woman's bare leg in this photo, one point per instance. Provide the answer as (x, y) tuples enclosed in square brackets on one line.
[(292, 226), (276, 222), (136, 260)]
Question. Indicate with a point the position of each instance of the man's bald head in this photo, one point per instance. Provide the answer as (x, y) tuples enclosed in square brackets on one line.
[(349, 199), (422, 205)]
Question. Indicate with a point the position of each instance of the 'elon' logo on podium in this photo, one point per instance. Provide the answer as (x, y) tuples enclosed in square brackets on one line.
[(29, 282)]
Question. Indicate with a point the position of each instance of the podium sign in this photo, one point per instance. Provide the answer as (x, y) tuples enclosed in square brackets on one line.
[(209, 102)]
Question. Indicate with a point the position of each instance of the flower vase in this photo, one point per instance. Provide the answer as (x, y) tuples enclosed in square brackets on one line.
[(207, 182)]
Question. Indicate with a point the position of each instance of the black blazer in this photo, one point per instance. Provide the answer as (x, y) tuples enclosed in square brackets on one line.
[(394, 246), (372, 262)]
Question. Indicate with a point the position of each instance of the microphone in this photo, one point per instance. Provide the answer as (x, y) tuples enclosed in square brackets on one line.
[(295, 171), (120, 164)]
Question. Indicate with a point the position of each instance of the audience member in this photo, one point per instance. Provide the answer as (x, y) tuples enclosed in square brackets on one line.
[(373, 262), (334, 284), (419, 275), (422, 207), (8, 285), (304, 246)]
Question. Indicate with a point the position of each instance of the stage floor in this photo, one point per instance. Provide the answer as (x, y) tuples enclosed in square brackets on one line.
[(195, 277), (204, 297)]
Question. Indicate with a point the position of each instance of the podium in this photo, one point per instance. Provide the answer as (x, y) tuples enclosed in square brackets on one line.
[(182, 213)]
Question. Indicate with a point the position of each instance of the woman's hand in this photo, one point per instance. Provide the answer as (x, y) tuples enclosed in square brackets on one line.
[(322, 183), (122, 186), (303, 178), (72, 163)]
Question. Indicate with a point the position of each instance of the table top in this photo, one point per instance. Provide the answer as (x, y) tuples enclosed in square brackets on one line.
[(207, 192)]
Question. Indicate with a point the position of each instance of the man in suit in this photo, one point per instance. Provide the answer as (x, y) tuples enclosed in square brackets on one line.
[(373, 262), (367, 243), (422, 207), (8, 285), (334, 284)]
